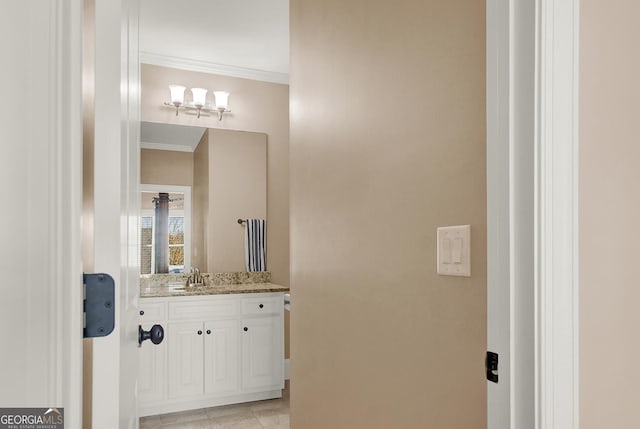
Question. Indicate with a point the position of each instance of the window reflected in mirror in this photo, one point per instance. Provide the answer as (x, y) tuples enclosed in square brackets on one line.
[(164, 227)]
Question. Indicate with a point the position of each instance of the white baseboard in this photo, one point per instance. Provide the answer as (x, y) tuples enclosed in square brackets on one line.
[(286, 369)]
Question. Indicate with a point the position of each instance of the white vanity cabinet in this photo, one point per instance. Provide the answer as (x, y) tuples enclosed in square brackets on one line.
[(186, 359), (221, 347), (261, 327), (218, 350), (152, 374)]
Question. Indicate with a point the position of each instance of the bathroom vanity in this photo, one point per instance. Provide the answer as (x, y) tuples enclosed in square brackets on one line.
[(223, 344)]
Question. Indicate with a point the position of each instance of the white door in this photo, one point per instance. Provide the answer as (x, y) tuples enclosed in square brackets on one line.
[(41, 176), (115, 215)]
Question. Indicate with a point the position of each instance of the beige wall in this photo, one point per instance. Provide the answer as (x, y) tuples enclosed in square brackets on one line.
[(165, 167), (256, 106), (231, 185), (609, 212), (387, 144), (237, 173)]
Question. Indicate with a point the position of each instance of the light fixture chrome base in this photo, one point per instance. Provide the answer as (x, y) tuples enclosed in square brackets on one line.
[(199, 110), (221, 111)]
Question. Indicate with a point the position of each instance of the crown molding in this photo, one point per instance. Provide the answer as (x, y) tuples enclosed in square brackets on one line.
[(166, 146), (212, 68)]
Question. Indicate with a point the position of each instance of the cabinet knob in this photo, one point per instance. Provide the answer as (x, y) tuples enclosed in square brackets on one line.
[(246, 329), (208, 331), (199, 332), (261, 306), (141, 312)]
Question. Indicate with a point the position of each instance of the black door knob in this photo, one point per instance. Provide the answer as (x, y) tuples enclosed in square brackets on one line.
[(155, 334), (261, 306), (141, 312), (208, 331), (246, 329), (199, 332)]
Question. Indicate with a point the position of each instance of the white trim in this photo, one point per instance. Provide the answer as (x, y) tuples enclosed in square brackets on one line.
[(66, 198), (212, 68), (499, 123), (116, 182), (557, 352), (552, 29), (167, 146)]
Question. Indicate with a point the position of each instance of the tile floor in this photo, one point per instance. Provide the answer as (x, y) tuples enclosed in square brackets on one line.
[(271, 414)]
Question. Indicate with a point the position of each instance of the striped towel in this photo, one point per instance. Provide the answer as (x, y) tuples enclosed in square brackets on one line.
[(255, 235)]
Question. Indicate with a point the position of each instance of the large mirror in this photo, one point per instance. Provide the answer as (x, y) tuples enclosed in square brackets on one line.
[(209, 178)]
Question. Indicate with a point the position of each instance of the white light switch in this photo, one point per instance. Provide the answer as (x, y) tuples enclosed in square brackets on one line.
[(446, 251), (454, 250)]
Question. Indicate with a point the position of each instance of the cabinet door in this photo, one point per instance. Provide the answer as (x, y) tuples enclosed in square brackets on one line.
[(221, 354), (186, 359), (152, 371), (262, 353)]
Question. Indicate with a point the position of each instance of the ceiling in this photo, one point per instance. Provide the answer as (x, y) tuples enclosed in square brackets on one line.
[(182, 138), (241, 38), (226, 35)]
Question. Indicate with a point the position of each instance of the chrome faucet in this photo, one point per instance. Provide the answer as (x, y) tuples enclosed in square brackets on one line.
[(195, 279)]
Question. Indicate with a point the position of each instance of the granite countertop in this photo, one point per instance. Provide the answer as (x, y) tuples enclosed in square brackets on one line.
[(169, 290)]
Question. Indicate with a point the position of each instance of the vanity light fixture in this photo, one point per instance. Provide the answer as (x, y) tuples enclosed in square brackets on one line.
[(199, 101)]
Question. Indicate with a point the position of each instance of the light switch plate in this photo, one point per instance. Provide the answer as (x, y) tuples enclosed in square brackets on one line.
[(454, 250)]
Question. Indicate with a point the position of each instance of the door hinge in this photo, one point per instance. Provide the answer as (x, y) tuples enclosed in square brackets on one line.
[(491, 366), (99, 305)]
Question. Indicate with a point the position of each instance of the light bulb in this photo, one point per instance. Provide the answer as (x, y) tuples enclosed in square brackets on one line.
[(222, 100), (199, 96), (177, 94)]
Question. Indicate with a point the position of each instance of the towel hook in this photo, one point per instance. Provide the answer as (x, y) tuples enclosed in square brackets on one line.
[(241, 221)]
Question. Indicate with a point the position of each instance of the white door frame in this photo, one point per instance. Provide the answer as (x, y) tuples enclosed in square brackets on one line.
[(532, 139), (557, 286), (116, 208)]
